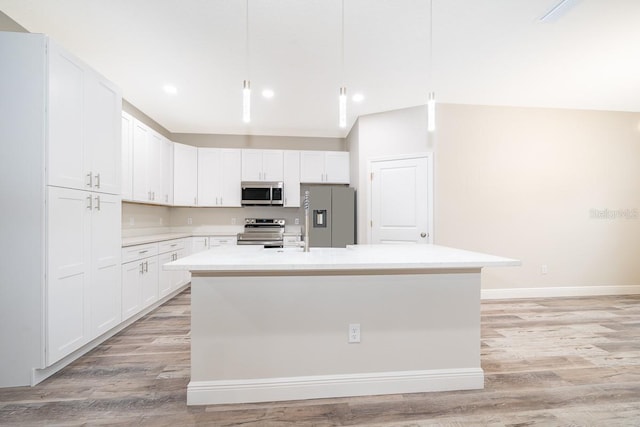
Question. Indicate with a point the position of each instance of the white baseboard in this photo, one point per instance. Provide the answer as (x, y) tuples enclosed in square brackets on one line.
[(566, 291), (325, 386)]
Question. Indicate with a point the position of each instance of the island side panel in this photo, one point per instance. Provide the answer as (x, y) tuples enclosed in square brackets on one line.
[(249, 329)]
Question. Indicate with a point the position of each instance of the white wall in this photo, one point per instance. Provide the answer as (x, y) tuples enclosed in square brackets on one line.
[(522, 183)]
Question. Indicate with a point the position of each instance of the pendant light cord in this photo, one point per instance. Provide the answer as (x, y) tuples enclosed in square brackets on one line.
[(246, 39), (431, 43), (342, 43)]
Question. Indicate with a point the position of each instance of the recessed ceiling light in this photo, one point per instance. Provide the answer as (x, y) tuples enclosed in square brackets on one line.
[(267, 93), (358, 97), (171, 90)]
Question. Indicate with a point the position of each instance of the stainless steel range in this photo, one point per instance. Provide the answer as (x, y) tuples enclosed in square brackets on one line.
[(268, 232)]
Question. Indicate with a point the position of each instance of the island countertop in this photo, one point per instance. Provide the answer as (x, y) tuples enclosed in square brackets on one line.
[(352, 258)]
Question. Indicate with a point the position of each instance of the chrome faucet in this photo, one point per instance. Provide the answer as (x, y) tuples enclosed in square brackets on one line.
[(306, 221)]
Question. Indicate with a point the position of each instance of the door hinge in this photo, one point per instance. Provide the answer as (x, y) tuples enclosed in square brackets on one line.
[(371, 224), (371, 176)]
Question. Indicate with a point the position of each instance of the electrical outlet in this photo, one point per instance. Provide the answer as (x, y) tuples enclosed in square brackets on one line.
[(354, 333), (544, 269), (189, 221), (297, 221)]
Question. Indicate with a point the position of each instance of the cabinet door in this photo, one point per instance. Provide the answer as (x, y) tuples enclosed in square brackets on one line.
[(67, 153), (291, 179), (102, 132), (272, 165), (199, 244), (127, 157), (208, 163), (165, 277), (131, 288), (251, 165), (181, 277), (141, 185), (150, 281), (229, 177), (68, 271), (154, 166), (185, 175), (106, 250), (312, 166), (336, 167), (166, 178)]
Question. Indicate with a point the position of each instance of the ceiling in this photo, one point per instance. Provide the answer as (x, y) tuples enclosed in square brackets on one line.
[(490, 52)]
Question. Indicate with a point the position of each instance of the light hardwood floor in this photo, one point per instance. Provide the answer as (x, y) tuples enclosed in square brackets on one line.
[(548, 362)]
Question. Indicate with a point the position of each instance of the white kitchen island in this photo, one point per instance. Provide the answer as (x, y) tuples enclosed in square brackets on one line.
[(274, 324)]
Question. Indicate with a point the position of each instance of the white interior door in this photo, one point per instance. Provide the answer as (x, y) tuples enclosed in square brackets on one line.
[(401, 200)]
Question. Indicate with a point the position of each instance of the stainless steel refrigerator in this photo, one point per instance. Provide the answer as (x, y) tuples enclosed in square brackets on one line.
[(332, 215)]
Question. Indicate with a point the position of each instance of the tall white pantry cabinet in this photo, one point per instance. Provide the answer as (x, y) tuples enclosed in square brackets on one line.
[(60, 277)]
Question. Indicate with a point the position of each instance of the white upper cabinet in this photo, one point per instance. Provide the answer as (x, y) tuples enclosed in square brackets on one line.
[(127, 156), (219, 177), (291, 179), (336, 167), (262, 165), (141, 144), (152, 166), (166, 172), (185, 175), (84, 126), (103, 118), (324, 167)]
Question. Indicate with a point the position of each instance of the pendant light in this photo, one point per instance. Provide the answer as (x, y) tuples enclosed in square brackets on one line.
[(246, 84), (431, 100), (342, 97)]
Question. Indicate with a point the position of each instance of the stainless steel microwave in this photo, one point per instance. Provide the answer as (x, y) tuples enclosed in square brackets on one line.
[(262, 193)]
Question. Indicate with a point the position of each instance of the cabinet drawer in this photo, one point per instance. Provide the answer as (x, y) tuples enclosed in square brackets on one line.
[(171, 245), (133, 253), (222, 241)]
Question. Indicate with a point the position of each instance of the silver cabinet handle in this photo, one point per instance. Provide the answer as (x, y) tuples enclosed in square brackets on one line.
[(153, 195), (89, 202), (146, 266), (143, 252), (149, 195), (97, 180), (142, 268), (221, 203), (216, 201), (195, 200), (90, 183), (97, 203)]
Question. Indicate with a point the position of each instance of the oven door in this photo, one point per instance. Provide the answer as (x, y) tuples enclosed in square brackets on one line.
[(256, 194)]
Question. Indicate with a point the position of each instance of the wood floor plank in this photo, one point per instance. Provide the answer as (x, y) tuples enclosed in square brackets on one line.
[(547, 362)]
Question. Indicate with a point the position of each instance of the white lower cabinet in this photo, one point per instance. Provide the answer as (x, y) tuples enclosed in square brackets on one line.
[(131, 288), (171, 250), (199, 244), (139, 278), (144, 281), (150, 282), (83, 290)]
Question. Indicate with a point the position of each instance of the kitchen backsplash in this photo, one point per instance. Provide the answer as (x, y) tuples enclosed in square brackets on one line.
[(141, 219)]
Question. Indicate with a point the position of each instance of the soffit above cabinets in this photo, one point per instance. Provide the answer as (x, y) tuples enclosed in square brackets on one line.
[(494, 52)]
